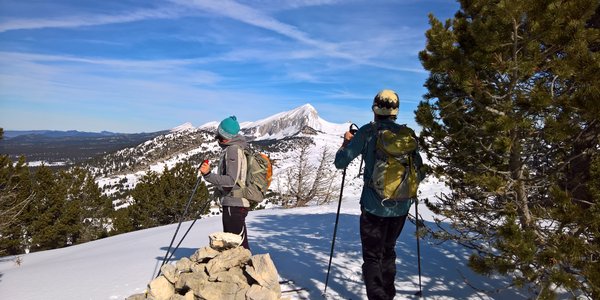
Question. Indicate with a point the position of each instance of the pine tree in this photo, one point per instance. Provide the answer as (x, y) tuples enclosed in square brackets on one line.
[(90, 207), (122, 221), (15, 196), (96, 210), (47, 230), (512, 123), (186, 175), (160, 199), (69, 217)]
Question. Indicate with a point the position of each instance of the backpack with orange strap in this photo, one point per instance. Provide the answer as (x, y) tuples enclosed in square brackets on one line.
[(259, 172)]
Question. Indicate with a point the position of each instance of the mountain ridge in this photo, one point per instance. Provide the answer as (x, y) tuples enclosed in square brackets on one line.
[(9, 134), (279, 136), (285, 124)]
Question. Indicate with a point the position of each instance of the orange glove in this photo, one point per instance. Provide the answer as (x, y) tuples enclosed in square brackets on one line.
[(205, 168), (347, 138)]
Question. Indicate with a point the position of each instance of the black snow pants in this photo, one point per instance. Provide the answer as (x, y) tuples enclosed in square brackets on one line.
[(378, 236), (234, 221)]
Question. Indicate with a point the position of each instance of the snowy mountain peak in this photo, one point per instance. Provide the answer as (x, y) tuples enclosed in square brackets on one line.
[(285, 124), (210, 125), (183, 127), (303, 119), (306, 109)]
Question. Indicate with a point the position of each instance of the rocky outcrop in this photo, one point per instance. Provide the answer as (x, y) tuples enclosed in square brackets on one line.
[(224, 270)]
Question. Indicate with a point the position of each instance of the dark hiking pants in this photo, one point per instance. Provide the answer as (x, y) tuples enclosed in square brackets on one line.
[(378, 236), (234, 221)]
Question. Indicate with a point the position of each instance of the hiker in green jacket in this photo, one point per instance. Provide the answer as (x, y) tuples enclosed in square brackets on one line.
[(381, 220), (228, 177)]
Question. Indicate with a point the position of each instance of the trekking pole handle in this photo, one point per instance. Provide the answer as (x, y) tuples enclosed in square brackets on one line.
[(353, 128), (204, 161)]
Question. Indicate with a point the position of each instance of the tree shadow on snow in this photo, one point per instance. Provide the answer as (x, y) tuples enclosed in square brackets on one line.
[(179, 253), (174, 256), (6, 259), (300, 246)]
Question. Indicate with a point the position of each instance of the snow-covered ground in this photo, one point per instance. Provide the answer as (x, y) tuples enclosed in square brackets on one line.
[(298, 240), (38, 163)]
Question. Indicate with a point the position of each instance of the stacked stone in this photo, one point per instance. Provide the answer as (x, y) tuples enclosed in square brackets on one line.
[(222, 271)]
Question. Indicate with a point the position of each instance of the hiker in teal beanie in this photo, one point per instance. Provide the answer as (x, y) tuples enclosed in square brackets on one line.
[(228, 128), (229, 174)]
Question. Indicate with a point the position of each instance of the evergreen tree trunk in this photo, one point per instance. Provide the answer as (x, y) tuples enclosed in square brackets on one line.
[(516, 170)]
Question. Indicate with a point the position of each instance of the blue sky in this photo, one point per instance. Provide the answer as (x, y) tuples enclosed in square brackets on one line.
[(142, 66)]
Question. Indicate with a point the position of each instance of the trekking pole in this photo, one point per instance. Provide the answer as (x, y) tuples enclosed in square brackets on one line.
[(187, 206), (360, 172), (198, 216), (420, 292), (337, 217)]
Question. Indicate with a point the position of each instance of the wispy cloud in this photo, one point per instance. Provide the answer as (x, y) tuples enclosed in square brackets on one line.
[(254, 17), (91, 20), (304, 76), (249, 15), (36, 65), (294, 4)]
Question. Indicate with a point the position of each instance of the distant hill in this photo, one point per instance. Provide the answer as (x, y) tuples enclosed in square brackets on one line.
[(67, 146), (9, 134)]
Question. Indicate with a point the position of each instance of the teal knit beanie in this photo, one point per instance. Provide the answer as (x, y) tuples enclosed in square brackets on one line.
[(229, 127)]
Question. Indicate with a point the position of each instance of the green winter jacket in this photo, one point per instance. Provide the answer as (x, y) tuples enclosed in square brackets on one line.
[(364, 143)]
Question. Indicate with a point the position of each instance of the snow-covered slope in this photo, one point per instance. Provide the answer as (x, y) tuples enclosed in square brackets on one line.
[(298, 240), (183, 127)]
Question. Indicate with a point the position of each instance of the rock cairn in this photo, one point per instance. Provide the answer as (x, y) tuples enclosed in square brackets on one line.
[(222, 271)]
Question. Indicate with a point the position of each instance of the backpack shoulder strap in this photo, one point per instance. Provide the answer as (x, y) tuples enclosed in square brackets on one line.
[(240, 176), (416, 151), (373, 129), (242, 166), (412, 134)]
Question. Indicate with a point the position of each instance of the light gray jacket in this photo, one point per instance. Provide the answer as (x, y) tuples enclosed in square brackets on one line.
[(229, 174)]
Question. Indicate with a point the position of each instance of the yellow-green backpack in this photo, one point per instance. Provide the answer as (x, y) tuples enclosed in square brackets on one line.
[(394, 175)]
